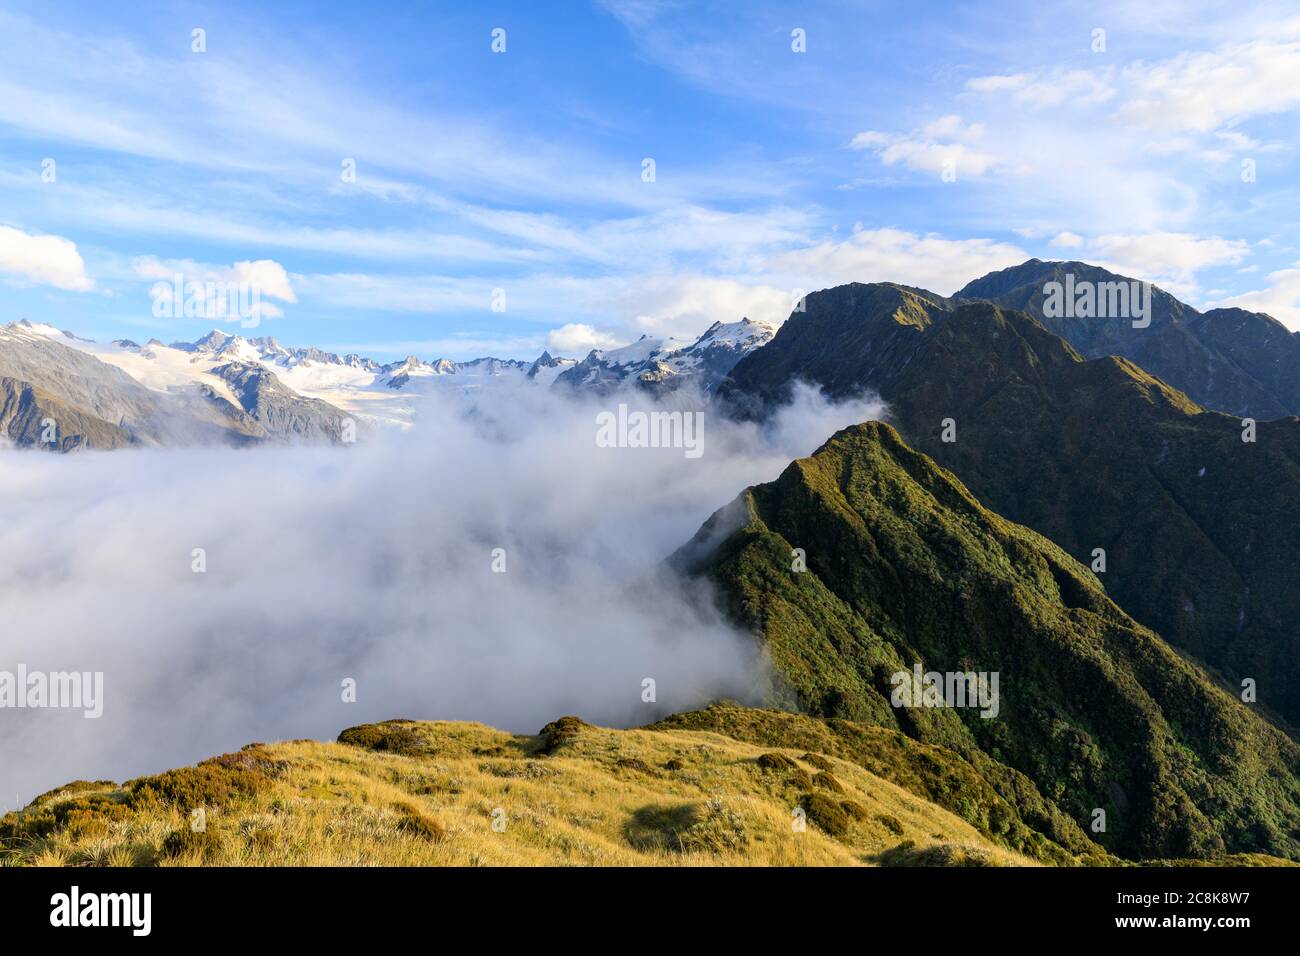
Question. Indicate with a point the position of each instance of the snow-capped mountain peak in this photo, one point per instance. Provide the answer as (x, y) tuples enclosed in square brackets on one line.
[(390, 393), (668, 363)]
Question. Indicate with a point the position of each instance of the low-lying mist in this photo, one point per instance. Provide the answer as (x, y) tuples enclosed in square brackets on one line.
[(373, 562)]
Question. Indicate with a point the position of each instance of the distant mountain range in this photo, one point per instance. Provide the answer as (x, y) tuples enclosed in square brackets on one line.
[(1228, 360), (227, 388), (64, 397), (663, 365)]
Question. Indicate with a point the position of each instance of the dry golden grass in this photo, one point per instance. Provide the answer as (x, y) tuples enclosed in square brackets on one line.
[(459, 794)]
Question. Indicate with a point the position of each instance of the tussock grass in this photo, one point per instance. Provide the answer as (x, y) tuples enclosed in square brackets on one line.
[(461, 794)]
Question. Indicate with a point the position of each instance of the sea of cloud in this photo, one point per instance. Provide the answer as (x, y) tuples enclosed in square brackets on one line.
[(375, 563)]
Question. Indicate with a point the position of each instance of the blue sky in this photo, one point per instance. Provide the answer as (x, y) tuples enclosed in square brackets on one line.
[(499, 204)]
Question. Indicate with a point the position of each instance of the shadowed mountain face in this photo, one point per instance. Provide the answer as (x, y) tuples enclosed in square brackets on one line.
[(1200, 529), (279, 411), (32, 418), (98, 396), (905, 568), (1230, 360)]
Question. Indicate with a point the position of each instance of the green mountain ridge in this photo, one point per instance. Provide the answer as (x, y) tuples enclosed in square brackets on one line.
[(904, 567), (1201, 530), (1231, 360)]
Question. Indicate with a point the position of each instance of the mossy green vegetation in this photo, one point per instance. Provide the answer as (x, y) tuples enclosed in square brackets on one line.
[(1200, 529), (905, 567), (1001, 803)]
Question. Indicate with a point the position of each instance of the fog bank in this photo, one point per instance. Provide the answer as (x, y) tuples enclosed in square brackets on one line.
[(373, 562)]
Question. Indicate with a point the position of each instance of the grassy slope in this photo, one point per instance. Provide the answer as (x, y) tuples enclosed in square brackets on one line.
[(904, 565), (405, 793)]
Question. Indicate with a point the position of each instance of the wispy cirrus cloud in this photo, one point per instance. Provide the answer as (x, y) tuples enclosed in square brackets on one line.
[(524, 171), (1183, 101), (1045, 90)]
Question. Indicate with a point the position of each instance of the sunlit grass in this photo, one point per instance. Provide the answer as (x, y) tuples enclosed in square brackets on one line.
[(600, 797)]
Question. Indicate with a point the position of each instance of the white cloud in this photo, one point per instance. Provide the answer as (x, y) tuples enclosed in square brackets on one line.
[(266, 277), (43, 260), (892, 255), (934, 148), (1195, 92), (1050, 89), (1236, 140), (578, 339), (685, 305), (269, 276), (1170, 259), (870, 139), (1281, 299), (1067, 240), (1209, 90), (998, 84), (1120, 128), (946, 127)]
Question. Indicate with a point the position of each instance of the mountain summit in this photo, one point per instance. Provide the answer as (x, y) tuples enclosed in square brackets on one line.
[(1198, 531), (1231, 360)]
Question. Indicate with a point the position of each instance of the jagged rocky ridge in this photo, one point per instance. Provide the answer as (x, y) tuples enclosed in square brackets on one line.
[(663, 365)]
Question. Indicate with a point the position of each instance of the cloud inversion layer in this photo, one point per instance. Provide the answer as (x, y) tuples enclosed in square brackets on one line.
[(371, 562)]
